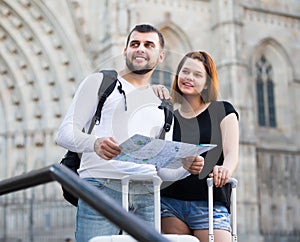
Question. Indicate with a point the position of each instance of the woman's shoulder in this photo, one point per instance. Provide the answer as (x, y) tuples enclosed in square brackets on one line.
[(224, 103), (224, 106)]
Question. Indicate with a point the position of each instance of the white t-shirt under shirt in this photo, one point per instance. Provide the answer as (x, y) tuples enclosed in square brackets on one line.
[(141, 117)]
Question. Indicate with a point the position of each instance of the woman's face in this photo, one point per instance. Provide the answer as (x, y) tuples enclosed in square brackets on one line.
[(192, 77)]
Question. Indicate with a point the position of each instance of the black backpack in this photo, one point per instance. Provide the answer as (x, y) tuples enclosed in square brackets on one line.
[(110, 78)]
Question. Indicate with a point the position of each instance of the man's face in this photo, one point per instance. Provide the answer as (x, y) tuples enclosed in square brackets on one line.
[(143, 52)]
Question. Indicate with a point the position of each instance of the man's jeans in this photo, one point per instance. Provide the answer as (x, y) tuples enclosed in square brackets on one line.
[(89, 223)]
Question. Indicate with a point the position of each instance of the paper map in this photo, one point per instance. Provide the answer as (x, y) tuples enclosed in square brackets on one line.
[(160, 153)]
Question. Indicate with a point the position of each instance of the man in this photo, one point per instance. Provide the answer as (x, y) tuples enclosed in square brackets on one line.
[(131, 108)]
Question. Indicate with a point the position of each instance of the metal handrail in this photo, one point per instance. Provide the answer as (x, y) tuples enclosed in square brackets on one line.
[(89, 194)]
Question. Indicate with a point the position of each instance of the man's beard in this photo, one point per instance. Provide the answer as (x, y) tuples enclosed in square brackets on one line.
[(143, 71)]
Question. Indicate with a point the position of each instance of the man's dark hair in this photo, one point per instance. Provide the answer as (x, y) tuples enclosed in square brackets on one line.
[(146, 28)]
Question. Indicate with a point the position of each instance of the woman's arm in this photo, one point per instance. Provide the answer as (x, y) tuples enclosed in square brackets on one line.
[(230, 140)]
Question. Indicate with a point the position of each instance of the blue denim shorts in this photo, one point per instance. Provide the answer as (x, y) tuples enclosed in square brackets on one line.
[(195, 213)]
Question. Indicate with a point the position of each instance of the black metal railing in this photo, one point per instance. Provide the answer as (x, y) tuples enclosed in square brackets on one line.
[(95, 198)]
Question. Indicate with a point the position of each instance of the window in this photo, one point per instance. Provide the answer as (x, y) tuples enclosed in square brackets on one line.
[(265, 93)]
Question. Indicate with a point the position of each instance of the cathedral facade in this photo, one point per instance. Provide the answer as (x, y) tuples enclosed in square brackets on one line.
[(48, 46)]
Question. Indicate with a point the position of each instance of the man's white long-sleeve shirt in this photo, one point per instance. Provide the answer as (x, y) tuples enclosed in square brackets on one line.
[(141, 117)]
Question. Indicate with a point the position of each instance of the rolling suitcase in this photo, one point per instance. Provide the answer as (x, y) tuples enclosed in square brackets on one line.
[(128, 238), (210, 185), (172, 237), (125, 191), (156, 185)]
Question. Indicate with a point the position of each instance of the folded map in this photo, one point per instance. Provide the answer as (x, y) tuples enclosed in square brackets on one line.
[(160, 153)]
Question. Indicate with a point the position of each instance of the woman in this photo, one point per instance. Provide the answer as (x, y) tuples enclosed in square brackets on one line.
[(201, 119)]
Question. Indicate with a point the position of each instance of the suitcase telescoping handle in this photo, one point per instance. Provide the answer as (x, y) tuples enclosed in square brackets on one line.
[(156, 185), (210, 184)]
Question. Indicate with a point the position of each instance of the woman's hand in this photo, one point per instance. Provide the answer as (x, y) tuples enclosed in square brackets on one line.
[(107, 148), (193, 164), (161, 91), (221, 175)]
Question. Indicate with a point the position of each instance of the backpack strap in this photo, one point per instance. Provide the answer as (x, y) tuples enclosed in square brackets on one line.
[(168, 111), (107, 86), (109, 81)]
